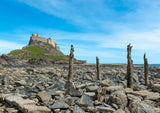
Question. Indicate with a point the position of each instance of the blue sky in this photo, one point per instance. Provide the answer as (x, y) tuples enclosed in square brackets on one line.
[(100, 28)]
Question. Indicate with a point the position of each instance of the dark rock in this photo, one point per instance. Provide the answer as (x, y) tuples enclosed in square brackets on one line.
[(30, 71), (86, 100), (37, 61), (87, 77), (40, 87), (50, 73), (30, 89), (71, 100), (71, 89), (77, 109), (58, 85), (7, 58), (5, 80), (106, 99), (115, 106), (135, 79)]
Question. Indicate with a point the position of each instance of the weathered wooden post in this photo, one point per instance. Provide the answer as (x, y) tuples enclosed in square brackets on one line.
[(146, 70), (71, 60), (98, 68), (129, 67)]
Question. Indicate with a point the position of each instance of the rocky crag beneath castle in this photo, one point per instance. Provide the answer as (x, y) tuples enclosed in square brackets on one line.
[(44, 43)]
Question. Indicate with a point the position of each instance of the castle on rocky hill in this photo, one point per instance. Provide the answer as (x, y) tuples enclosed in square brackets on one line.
[(36, 39)]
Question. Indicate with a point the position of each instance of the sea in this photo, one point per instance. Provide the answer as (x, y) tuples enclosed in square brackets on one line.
[(150, 65)]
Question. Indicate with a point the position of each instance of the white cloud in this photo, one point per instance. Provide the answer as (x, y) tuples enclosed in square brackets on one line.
[(141, 40), (7, 46)]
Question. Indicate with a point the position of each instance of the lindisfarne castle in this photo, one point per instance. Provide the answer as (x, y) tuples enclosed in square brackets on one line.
[(36, 40)]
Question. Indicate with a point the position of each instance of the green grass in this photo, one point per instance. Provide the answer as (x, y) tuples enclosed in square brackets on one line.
[(54, 57), (35, 50), (36, 53)]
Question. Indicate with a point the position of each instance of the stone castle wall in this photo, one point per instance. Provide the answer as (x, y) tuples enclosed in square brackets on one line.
[(37, 37)]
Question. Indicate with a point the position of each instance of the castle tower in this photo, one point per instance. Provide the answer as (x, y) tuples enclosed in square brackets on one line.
[(37, 40), (44, 43)]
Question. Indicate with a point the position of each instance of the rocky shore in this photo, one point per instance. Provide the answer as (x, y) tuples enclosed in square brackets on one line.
[(45, 89)]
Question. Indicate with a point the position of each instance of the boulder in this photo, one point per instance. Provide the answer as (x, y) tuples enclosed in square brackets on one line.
[(156, 88), (118, 98)]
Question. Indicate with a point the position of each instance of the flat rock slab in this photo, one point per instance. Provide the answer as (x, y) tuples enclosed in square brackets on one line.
[(59, 105), (17, 100), (105, 109), (25, 105), (141, 107), (91, 94), (92, 88), (114, 88), (143, 93), (44, 97), (35, 109), (106, 82)]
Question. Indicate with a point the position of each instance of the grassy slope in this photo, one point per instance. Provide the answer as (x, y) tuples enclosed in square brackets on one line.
[(35, 52)]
